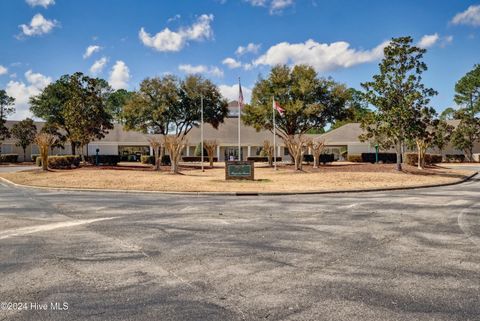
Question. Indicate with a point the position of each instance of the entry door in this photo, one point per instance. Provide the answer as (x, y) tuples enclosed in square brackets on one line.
[(231, 153)]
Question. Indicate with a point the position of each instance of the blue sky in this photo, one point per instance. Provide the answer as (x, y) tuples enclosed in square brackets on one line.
[(133, 39)]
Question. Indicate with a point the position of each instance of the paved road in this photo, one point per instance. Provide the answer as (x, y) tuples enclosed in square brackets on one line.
[(403, 255)]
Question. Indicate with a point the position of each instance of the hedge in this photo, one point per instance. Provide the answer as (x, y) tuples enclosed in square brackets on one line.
[(455, 158), (412, 159), (64, 162), (9, 158), (262, 159), (34, 157), (147, 159), (355, 158), (197, 159), (111, 160), (382, 157), (324, 158)]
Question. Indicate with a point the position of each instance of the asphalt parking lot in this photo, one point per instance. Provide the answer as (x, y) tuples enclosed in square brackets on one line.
[(399, 255)]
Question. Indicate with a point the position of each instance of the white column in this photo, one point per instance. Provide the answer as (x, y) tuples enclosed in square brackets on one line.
[(279, 151), (188, 150), (218, 153), (249, 151), (151, 151)]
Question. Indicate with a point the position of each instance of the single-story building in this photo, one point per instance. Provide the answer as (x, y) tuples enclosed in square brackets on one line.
[(340, 141)]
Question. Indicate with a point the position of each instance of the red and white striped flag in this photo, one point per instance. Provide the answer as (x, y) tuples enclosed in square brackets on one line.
[(276, 106), (241, 102)]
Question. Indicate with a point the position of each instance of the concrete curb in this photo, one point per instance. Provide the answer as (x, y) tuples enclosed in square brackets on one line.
[(463, 180)]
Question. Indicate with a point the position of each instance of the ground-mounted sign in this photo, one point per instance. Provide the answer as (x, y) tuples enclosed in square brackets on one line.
[(239, 170)]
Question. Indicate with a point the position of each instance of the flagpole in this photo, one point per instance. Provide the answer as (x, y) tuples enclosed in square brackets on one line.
[(201, 131), (274, 134), (239, 113)]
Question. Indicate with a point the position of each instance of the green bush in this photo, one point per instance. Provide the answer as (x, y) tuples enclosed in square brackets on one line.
[(147, 159), (9, 158), (38, 161), (355, 158), (307, 158), (34, 157), (412, 159), (455, 158), (64, 161), (111, 160)]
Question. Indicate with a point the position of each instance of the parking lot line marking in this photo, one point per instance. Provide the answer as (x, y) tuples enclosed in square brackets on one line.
[(48, 227)]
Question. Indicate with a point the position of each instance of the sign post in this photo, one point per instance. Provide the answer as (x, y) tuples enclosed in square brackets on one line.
[(239, 170)]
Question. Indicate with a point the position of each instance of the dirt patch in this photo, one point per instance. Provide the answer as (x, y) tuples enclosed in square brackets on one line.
[(325, 178)]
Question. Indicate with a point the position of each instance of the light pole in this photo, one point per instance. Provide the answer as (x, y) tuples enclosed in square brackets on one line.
[(201, 131)]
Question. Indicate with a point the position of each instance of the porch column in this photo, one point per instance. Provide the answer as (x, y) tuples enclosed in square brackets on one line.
[(249, 151), (279, 151), (218, 153), (188, 150), (151, 151)]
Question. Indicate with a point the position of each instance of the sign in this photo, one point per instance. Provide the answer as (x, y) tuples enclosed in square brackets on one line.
[(239, 170)]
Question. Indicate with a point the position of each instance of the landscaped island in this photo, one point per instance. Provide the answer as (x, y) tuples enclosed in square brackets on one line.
[(338, 177)]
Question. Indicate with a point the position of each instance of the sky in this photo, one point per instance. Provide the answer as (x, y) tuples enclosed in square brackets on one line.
[(125, 41)]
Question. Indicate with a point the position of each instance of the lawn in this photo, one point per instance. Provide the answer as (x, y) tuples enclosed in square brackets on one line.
[(192, 179)]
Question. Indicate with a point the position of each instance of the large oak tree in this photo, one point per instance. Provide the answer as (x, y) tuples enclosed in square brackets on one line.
[(310, 102)]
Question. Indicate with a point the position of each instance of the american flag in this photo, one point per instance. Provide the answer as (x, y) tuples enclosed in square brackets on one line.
[(240, 95), (280, 110)]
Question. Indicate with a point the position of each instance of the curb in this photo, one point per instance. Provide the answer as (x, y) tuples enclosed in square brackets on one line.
[(463, 180)]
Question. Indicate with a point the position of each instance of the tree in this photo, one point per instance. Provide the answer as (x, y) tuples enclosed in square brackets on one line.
[(357, 109), (467, 90), (116, 102), (171, 107), (156, 144), (317, 146), (75, 104), (59, 138), (268, 150), (6, 109), (210, 146), (24, 132), (466, 133), (442, 136), (44, 141), (309, 103), (448, 114), (399, 96)]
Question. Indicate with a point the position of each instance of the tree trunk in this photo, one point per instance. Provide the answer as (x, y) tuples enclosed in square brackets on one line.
[(399, 157), (316, 161), (210, 158), (158, 160), (24, 154)]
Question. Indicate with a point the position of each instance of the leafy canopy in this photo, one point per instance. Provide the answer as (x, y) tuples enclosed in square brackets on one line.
[(6, 109), (309, 101)]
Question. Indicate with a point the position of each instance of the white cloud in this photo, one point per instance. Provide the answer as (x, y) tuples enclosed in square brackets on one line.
[(43, 3), (98, 65), (201, 69), (231, 63), (119, 76), (471, 17), (275, 6), (168, 40), (22, 92), (250, 48), (38, 26), (322, 56), (3, 70), (428, 41), (231, 92), (91, 50)]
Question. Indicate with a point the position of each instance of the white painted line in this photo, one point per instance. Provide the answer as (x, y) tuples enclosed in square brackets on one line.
[(48, 227)]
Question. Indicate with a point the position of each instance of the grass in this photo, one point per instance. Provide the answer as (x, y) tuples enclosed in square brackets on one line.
[(326, 178)]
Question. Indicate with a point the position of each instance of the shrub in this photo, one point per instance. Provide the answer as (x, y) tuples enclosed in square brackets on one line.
[(385, 158), (34, 157), (38, 161), (412, 159), (355, 158), (63, 162), (307, 158), (147, 159), (197, 159), (9, 158), (262, 159), (111, 160), (326, 158), (166, 160), (453, 158)]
